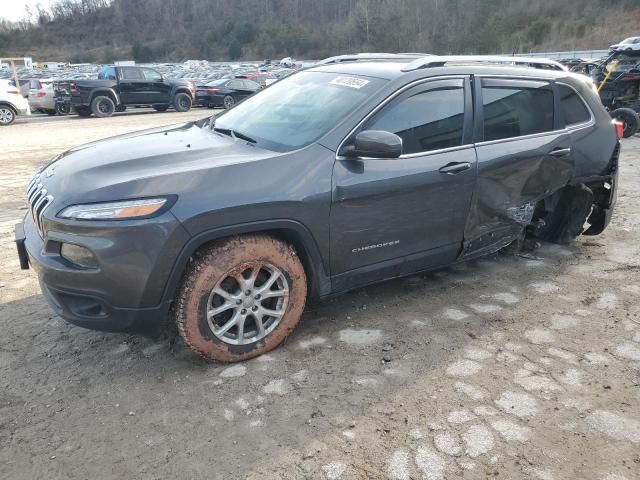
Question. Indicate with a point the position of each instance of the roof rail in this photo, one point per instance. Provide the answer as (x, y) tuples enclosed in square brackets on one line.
[(371, 56), (440, 61)]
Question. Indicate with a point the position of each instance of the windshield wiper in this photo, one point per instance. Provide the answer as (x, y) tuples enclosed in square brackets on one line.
[(233, 134)]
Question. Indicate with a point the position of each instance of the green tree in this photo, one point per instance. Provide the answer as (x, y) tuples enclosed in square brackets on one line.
[(235, 50), (141, 53)]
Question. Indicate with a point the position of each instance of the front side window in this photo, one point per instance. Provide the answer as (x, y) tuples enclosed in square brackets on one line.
[(426, 121), (513, 111), (572, 107), (129, 73), (151, 75), (298, 110)]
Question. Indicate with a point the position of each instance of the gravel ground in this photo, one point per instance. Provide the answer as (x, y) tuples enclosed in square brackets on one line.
[(523, 366)]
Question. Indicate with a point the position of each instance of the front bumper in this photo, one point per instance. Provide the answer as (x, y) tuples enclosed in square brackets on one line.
[(126, 291)]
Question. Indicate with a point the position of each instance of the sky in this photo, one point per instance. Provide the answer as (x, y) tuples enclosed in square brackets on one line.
[(13, 10)]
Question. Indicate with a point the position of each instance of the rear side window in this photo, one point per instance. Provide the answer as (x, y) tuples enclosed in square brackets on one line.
[(429, 120), (513, 111), (572, 107)]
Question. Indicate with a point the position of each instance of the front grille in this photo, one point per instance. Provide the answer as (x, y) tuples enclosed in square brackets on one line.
[(38, 199)]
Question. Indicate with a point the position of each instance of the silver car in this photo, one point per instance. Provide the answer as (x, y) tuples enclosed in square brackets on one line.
[(41, 97)]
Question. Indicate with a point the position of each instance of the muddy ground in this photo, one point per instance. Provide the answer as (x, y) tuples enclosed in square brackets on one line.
[(509, 367)]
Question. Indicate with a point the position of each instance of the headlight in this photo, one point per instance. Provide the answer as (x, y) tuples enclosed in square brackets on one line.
[(114, 210)]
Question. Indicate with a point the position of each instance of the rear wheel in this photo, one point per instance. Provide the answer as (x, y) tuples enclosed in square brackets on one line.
[(160, 108), (102, 106), (182, 102), (7, 115), (629, 119), (241, 298), (563, 214), (228, 101)]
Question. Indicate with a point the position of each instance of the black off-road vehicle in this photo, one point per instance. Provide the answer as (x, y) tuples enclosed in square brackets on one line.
[(333, 178), (119, 87), (618, 81)]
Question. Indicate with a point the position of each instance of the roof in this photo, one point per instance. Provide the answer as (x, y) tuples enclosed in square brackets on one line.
[(441, 61), (370, 57), (390, 66)]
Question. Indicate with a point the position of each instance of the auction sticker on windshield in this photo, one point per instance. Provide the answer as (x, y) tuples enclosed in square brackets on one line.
[(352, 82)]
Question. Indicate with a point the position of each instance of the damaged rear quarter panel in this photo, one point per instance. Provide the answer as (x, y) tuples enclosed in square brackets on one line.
[(513, 174)]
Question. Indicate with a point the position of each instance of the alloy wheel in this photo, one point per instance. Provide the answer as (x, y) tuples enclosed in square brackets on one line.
[(248, 303), (6, 115)]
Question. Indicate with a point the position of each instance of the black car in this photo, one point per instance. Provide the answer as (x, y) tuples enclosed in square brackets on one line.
[(120, 87), (225, 92), (333, 178)]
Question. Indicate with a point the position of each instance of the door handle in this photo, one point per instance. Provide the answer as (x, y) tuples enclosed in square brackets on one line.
[(560, 152), (455, 167)]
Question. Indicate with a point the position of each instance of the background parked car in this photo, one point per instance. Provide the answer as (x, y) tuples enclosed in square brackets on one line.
[(41, 98), (225, 93), (631, 43), (12, 103)]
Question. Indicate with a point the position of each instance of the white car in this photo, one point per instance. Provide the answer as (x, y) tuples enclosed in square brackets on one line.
[(12, 103), (628, 44)]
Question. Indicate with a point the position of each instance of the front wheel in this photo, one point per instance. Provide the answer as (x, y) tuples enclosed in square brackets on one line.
[(241, 298), (630, 120), (7, 116), (182, 102)]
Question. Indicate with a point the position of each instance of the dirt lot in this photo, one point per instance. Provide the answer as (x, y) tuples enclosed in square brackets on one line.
[(509, 367)]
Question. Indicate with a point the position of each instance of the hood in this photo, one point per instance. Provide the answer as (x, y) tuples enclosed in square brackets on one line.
[(158, 161)]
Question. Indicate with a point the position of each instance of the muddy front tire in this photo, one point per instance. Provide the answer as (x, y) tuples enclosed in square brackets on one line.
[(240, 298)]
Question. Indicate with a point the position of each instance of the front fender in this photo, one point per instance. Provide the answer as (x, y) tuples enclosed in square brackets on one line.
[(289, 230)]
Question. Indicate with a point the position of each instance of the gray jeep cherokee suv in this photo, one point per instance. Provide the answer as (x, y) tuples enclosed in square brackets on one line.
[(336, 177)]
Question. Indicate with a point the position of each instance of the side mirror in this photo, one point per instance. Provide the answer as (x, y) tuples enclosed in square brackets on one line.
[(376, 144)]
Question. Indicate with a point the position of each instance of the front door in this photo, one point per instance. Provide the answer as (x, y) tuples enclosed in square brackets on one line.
[(390, 217), (134, 88), (158, 90)]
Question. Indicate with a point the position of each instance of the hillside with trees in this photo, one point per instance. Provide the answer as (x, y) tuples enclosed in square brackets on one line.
[(174, 30)]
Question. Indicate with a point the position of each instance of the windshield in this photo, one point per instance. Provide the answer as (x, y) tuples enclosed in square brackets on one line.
[(628, 40), (298, 110)]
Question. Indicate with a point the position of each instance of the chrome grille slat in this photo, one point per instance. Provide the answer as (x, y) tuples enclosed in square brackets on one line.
[(39, 200)]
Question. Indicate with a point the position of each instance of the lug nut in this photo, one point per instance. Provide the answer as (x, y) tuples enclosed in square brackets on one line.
[(255, 308), (243, 311), (238, 302), (257, 297), (247, 293)]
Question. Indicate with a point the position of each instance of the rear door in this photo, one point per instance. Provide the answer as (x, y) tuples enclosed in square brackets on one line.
[(239, 90), (390, 217), (524, 154)]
